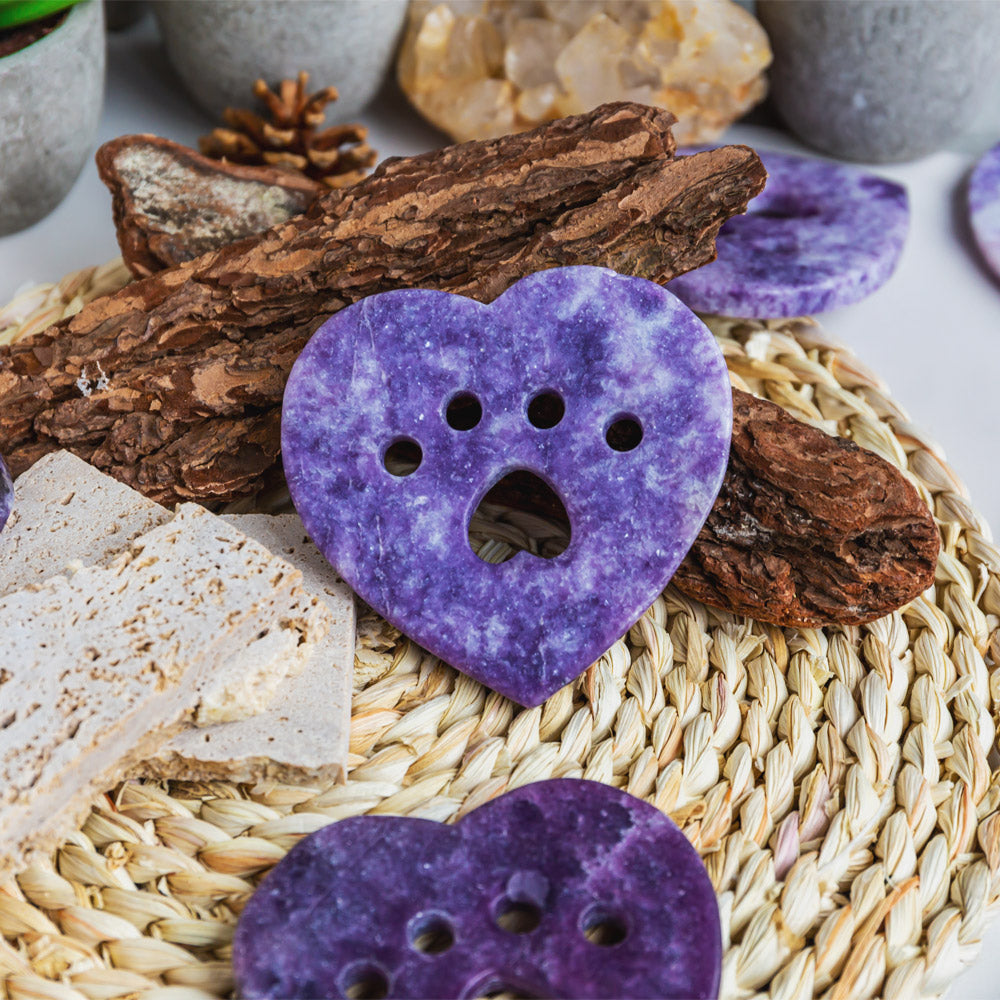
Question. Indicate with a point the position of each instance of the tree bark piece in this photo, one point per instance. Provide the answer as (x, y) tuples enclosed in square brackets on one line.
[(172, 204), (174, 384), (808, 529)]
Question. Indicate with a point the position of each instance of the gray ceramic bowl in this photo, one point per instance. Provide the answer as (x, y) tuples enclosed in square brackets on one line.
[(219, 47), (882, 80), (50, 102)]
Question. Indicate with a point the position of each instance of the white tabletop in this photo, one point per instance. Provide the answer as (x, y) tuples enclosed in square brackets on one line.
[(932, 332)]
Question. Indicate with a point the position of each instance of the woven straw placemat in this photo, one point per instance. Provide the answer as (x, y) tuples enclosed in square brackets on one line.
[(839, 783)]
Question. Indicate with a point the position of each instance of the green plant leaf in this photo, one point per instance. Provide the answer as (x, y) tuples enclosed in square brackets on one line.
[(17, 12)]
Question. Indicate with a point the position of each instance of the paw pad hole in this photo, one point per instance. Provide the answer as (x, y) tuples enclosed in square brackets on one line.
[(431, 934), (624, 433), (364, 981), (603, 928), (546, 410), (517, 916), (520, 512), (464, 411), (402, 457)]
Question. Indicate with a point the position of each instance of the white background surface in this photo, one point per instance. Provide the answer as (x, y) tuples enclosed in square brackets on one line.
[(932, 332)]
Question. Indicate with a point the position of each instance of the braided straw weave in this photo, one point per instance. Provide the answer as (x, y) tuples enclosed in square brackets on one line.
[(839, 783)]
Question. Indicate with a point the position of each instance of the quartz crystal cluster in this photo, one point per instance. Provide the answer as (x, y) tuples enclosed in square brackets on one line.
[(483, 68)]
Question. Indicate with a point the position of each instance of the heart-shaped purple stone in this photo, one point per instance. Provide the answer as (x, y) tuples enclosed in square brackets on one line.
[(563, 888), (633, 439)]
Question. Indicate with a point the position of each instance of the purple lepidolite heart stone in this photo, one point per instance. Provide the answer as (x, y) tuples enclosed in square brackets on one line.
[(6, 493), (819, 235), (984, 207), (562, 888), (633, 438)]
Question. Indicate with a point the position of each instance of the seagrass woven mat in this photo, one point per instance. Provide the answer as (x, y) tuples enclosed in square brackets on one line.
[(840, 784)]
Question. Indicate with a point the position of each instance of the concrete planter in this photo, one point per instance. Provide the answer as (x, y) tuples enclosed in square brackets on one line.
[(219, 47), (880, 80), (50, 103)]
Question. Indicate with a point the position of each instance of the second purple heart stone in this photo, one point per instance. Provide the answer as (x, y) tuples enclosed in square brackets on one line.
[(562, 888), (404, 411)]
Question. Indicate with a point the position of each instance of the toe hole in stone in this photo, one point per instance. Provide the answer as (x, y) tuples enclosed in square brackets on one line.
[(464, 411), (777, 207), (602, 927), (364, 981), (431, 933), (520, 512), (517, 916), (402, 457), (546, 409), (624, 433)]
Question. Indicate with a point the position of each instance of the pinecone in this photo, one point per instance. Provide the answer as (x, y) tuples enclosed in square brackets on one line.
[(336, 156)]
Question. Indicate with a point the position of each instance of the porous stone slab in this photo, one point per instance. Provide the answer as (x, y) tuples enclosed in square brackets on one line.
[(984, 207), (100, 667), (613, 902), (820, 235), (304, 731), (380, 377), (71, 515)]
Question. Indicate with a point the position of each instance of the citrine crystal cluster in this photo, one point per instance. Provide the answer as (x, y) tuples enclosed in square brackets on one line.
[(483, 68)]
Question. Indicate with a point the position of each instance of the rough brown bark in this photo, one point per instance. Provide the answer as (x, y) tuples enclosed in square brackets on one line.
[(171, 204), (808, 529), (195, 358)]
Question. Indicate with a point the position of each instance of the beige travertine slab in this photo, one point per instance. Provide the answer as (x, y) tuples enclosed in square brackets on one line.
[(99, 667), (303, 733), (67, 513)]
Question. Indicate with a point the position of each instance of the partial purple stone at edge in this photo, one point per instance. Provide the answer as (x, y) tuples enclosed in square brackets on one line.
[(356, 900), (6, 493), (820, 235), (612, 347), (984, 207)]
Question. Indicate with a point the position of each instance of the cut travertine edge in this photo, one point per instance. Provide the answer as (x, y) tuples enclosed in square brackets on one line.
[(101, 666), (303, 734), (67, 515)]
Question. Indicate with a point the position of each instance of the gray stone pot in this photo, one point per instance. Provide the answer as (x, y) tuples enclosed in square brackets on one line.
[(881, 80), (219, 47), (50, 103)]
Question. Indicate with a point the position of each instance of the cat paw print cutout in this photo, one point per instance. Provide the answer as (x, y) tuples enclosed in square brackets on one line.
[(601, 397)]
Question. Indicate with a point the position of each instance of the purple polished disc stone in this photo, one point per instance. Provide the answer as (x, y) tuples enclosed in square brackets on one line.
[(618, 352), (984, 207), (819, 235), (6, 493), (601, 895)]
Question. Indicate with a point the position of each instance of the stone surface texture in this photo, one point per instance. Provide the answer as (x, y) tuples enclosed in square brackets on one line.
[(482, 69), (220, 48), (354, 901), (984, 207), (881, 80), (101, 666), (302, 734), (50, 102), (70, 515), (820, 235), (384, 371)]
